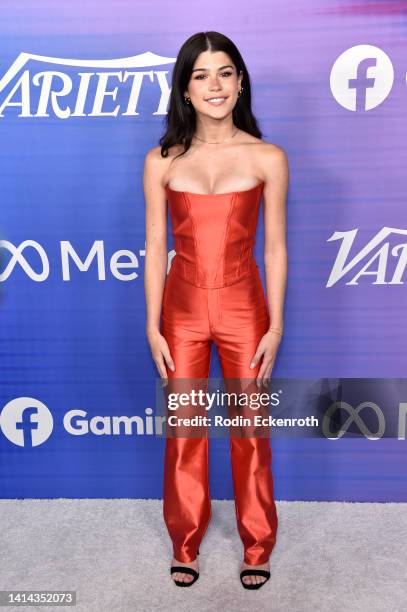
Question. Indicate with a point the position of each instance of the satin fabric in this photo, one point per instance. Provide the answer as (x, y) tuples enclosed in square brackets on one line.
[(214, 294)]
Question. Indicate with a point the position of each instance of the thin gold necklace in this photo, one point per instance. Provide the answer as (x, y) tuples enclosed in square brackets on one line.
[(221, 142)]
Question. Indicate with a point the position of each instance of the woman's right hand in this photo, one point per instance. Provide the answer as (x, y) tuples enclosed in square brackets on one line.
[(160, 352)]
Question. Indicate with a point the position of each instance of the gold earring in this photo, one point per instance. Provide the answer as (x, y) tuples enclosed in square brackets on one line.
[(187, 99), (239, 93)]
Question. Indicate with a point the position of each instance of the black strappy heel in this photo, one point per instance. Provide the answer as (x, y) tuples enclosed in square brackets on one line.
[(185, 570), (254, 572)]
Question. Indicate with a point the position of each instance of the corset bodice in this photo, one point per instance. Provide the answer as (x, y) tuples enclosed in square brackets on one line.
[(214, 235)]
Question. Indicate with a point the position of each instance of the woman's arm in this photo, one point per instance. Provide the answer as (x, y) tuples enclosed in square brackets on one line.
[(156, 257), (156, 238), (275, 248), (275, 170)]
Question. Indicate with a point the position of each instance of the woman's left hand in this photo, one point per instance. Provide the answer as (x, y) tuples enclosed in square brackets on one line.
[(267, 347)]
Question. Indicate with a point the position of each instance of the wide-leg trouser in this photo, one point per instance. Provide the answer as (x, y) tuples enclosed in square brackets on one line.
[(235, 318)]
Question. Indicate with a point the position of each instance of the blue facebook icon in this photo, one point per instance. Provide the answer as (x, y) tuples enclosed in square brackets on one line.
[(27, 424)]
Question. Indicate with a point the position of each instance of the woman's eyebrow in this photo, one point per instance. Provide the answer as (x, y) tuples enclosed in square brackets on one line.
[(221, 68)]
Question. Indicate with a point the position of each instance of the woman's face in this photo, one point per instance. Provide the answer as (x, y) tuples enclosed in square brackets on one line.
[(214, 84)]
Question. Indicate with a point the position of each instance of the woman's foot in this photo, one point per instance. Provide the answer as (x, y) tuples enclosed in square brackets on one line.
[(181, 576), (254, 579)]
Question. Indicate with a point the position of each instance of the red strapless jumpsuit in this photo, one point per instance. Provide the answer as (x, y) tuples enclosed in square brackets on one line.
[(213, 293)]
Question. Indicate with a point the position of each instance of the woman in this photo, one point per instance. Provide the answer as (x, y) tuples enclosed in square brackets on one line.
[(213, 167)]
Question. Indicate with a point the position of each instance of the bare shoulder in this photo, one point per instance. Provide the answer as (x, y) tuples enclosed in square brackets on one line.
[(272, 160), (154, 154), (267, 156), (153, 158), (156, 166), (271, 153)]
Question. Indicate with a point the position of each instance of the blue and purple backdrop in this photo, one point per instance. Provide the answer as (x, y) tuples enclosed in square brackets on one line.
[(83, 94)]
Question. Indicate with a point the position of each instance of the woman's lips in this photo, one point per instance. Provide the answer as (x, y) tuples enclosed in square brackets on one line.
[(218, 103)]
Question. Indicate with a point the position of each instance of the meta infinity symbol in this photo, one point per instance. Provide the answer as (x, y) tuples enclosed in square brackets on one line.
[(17, 257), (353, 416)]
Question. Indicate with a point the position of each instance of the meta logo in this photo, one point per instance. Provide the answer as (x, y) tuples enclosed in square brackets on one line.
[(82, 83), (361, 78), (26, 421), (354, 417), (35, 262), (376, 252)]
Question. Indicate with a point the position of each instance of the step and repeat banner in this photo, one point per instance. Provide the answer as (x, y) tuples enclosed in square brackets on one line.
[(84, 90)]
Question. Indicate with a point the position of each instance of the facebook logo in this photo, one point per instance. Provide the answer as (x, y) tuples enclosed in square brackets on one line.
[(26, 421), (27, 425), (361, 83), (361, 78)]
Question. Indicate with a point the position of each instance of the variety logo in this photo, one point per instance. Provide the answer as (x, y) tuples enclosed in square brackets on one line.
[(361, 78), (66, 91), (378, 252)]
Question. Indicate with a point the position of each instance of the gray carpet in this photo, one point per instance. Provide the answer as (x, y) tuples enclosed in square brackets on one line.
[(116, 555)]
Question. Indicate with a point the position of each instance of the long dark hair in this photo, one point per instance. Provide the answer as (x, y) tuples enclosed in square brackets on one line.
[(181, 117)]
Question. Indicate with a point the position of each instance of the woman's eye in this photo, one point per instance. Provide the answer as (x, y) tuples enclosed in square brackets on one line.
[(223, 74)]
